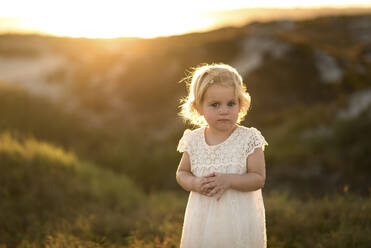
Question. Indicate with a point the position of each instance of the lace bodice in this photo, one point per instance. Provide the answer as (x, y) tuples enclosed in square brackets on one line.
[(228, 156)]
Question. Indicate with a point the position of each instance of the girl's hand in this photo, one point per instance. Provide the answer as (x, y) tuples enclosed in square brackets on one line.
[(217, 185), (199, 183)]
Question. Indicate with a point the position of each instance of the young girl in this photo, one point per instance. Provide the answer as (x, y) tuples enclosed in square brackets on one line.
[(222, 165)]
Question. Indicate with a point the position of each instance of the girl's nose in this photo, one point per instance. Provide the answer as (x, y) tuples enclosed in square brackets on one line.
[(223, 110)]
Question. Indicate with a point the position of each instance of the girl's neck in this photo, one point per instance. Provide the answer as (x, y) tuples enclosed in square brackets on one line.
[(215, 136)]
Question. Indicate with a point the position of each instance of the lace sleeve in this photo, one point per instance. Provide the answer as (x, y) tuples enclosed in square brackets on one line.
[(184, 142), (255, 140)]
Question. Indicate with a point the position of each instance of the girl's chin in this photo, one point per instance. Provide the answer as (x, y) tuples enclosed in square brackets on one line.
[(223, 125)]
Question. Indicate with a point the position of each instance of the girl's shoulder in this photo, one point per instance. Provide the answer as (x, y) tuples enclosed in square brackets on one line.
[(192, 132), (253, 138), (248, 130), (188, 138)]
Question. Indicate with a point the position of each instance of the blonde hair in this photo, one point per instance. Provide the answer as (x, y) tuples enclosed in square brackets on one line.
[(200, 79)]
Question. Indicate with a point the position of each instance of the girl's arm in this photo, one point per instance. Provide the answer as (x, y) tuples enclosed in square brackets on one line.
[(184, 176), (186, 179), (254, 179)]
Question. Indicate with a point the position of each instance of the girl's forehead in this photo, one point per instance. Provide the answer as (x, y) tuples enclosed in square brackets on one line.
[(219, 92)]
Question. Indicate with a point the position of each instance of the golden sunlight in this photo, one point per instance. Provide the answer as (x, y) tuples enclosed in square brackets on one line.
[(111, 19), (96, 23), (147, 19)]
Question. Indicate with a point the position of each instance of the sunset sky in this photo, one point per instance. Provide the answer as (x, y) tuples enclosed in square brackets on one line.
[(109, 19)]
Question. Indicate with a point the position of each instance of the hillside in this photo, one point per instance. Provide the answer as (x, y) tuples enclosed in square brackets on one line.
[(309, 81)]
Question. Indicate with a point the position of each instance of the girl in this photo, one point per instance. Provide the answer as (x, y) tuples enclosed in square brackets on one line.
[(222, 165)]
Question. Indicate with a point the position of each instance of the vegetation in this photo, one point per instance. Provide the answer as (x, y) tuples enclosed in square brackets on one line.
[(102, 172), (340, 220), (48, 192)]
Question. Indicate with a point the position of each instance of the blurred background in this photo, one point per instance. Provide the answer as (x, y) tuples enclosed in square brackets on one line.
[(89, 96)]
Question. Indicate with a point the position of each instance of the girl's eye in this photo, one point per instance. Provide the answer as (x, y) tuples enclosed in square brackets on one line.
[(215, 104), (230, 104)]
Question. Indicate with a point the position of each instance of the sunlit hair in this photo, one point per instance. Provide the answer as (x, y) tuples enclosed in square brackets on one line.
[(200, 79)]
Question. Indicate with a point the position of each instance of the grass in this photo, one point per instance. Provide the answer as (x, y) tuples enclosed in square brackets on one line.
[(51, 198), (342, 220), (46, 191)]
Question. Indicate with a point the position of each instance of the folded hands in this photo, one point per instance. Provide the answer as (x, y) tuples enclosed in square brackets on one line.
[(214, 184)]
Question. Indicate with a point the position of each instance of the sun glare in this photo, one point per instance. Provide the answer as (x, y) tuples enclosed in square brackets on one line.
[(110, 19), (124, 19)]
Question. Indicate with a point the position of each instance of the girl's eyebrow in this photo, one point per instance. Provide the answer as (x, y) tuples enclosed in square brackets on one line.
[(214, 101)]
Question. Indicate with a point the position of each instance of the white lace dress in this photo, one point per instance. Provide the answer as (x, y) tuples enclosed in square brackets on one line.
[(238, 218)]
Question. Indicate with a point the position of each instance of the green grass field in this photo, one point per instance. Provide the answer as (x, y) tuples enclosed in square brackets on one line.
[(50, 198)]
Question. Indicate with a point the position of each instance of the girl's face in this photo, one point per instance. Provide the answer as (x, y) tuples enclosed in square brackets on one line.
[(220, 107)]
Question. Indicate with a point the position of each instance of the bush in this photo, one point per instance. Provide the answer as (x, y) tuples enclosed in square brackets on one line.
[(46, 190)]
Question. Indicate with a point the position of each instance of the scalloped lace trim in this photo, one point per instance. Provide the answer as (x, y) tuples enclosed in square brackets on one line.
[(256, 146)]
